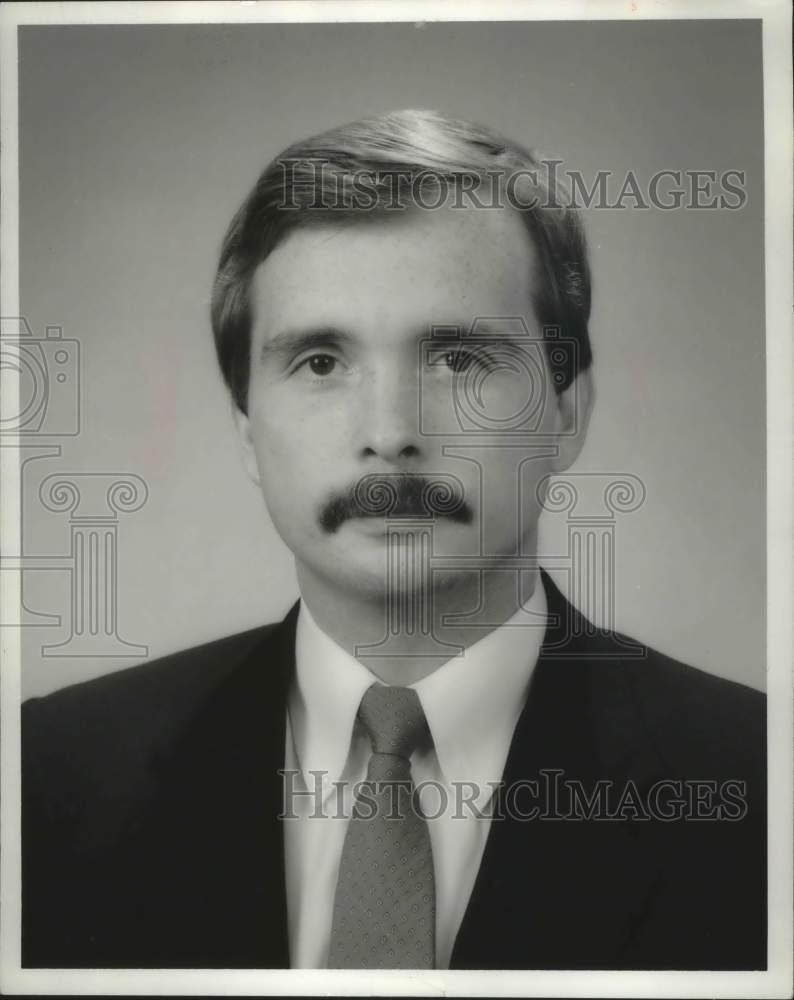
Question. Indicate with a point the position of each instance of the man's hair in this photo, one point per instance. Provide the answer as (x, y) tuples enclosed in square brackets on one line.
[(381, 166)]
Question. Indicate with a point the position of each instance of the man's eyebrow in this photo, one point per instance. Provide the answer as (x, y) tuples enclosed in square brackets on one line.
[(294, 341), (503, 336), (495, 327)]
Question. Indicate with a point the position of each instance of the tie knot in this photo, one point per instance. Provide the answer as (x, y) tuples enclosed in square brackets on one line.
[(393, 718)]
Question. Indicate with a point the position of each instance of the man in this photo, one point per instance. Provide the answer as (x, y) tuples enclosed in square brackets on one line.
[(401, 316)]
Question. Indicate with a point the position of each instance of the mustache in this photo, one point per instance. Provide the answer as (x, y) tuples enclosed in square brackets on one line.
[(397, 494)]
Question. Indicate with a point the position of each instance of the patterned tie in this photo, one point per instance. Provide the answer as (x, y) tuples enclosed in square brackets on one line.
[(385, 903)]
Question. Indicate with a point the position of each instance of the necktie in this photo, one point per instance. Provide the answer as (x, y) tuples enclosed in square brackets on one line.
[(385, 903)]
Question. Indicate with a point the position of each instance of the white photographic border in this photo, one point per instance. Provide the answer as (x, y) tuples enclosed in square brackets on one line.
[(776, 981)]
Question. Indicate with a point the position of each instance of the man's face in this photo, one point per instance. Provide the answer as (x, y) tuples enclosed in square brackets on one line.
[(351, 378)]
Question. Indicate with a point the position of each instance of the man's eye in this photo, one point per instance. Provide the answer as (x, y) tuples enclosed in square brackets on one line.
[(458, 360), (321, 364)]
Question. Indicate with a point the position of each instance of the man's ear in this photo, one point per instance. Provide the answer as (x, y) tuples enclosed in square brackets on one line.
[(243, 425), (574, 406)]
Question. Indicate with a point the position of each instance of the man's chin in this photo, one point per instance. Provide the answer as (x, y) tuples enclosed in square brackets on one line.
[(372, 558), (385, 555), (416, 537), (370, 563)]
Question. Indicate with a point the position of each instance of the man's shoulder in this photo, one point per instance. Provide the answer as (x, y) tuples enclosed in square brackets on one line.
[(112, 728), (665, 691), (689, 716), (160, 685), (638, 696)]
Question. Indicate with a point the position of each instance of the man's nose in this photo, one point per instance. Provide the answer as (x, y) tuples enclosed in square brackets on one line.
[(389, 418)]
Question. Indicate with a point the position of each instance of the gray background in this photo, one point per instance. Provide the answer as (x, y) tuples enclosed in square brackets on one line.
[(138, 143)]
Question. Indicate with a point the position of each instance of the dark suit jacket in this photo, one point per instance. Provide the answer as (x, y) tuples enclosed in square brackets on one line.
[(151, 797)]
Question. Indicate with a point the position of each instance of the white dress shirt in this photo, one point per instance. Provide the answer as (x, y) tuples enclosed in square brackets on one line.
[(472, 704)]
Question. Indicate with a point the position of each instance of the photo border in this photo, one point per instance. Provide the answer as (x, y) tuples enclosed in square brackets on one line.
[(776, 981)]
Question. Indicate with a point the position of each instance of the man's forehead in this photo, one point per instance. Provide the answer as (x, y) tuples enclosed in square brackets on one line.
[(444, 267)]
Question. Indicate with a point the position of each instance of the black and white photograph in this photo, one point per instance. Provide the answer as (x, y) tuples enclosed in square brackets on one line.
[(396, 499)]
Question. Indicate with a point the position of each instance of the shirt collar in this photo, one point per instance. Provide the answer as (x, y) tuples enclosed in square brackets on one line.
[(325, 698), (472, 702)]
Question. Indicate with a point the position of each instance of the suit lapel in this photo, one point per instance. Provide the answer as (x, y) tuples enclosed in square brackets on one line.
[(214, 834), (555, 893)]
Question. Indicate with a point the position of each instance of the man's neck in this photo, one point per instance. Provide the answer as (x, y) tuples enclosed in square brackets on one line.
[(408, 636)]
